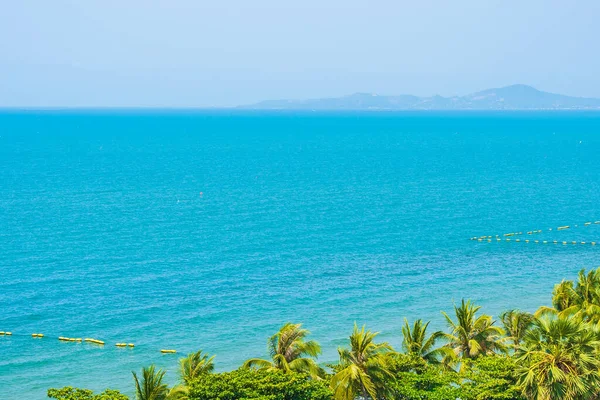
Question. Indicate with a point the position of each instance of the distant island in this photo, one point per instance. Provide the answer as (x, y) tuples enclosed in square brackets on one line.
[(514, 97)]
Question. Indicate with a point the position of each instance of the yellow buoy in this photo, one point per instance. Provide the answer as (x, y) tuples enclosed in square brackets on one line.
[(545, 242), (526, 240), (8, 333), (1, 333), (555, 242), (560, 228), (517, 240), (168, 351), (130, 345), (587, 223), (37, 335), (573, 242), (121, 344), (537, 241), (95, 341), (64, 339), (564, 242), (593, 243)]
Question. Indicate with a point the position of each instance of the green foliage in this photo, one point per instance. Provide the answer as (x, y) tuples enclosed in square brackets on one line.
[(486, 378), (433, 383), (69, 393), (290, 351), (260, 384), (415, 379), (490, 378)]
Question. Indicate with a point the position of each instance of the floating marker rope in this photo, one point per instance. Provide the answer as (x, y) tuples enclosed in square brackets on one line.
[(507, 236), (100, 343)]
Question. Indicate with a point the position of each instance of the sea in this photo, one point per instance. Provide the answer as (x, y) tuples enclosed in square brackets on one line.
[(189, 230)]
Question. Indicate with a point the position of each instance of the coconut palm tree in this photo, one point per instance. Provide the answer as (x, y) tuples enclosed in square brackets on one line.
[(563, 295), (516, 323), (363, 369), (290, 351), (560, 359), (472, 335), (417, 344), (581, 300), (151, 386), (587, 295), (194, 365)]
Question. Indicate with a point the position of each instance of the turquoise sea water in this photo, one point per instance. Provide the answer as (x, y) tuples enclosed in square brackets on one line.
[(325, 219)]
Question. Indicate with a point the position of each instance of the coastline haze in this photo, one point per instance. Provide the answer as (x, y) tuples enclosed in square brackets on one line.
[(514, 97), (204, 54)]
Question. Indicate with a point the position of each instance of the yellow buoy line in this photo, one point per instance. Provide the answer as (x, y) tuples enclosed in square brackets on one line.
[(533, 232), (98, 342), (537, 241)]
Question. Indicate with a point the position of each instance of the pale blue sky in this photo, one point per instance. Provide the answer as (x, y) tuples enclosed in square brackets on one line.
[(204, 53)]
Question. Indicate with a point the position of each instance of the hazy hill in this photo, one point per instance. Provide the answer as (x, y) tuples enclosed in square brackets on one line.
[(514, 97)]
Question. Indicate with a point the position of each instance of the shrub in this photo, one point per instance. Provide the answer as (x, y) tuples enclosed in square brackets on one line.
[(261, 384), (491, 378), (69, 393)]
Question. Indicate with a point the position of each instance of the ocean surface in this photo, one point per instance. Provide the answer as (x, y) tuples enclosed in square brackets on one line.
[(208, 230)]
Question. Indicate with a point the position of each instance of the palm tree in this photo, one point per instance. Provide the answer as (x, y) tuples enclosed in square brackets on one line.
[(516, 323), (560, 358), (582, 300), (363, 368), (472, 335), (415, 342), (194, 365), (290, 352), (563, 295), (151, 386)]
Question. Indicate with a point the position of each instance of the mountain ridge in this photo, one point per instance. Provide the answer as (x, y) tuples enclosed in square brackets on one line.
[(513, 97)]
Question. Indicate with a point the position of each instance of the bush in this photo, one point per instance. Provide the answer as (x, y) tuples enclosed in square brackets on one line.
[(262, 384), (417, 380), (69, 393), (491, 378)]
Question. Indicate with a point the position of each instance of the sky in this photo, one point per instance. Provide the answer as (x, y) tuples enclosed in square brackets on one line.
[(204, 53)]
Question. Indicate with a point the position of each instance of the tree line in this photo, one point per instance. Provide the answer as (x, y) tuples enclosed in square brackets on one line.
[(553, 353)]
